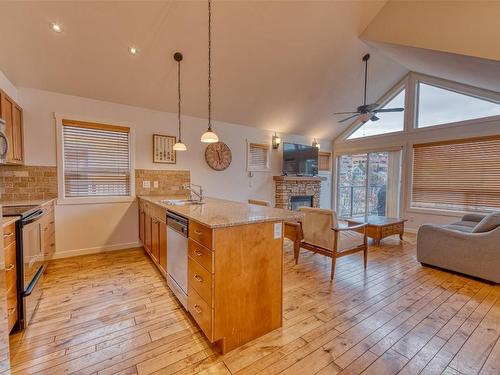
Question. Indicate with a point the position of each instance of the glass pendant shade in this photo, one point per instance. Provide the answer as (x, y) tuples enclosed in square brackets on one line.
[(209, 137), (179, 146)]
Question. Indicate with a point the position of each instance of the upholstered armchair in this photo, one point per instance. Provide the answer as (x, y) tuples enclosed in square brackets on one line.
[(322, 234), (470, 246)]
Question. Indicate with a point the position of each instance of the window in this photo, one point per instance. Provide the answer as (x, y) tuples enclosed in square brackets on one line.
[(437, 106), (388, 122), (459, 175), (96, 160), (258, 157), (324, 161), (369, 184)]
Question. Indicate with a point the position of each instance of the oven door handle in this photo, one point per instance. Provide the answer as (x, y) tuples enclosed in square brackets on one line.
[(33, 283), (34, 217)]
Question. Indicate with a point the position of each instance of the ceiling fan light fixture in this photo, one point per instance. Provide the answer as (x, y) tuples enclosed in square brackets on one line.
[(364, 117)]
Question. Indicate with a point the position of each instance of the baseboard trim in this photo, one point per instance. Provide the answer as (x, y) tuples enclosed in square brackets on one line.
[(95, 250)]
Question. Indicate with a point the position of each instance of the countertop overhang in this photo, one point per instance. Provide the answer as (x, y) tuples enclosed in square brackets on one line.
[(218, 213)]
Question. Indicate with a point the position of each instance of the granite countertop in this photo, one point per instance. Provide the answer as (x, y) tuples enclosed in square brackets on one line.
[(217, 213), (7, 220), (27, 202)]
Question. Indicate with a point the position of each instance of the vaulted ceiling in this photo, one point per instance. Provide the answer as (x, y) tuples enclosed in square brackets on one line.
[(283, 65)]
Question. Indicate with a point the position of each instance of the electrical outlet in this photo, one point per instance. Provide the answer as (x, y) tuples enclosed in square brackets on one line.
[(146, 184), (155, 184)]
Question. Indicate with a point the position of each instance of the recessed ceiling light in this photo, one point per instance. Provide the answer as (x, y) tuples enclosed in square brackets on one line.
[(133, 50), (56, 27)]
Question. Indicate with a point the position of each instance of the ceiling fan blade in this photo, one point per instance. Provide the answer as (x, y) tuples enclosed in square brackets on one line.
[(348, 118), (374, 118), (343, 113), (388, 110)]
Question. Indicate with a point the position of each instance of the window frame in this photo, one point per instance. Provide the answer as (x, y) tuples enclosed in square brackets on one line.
[(268, 167), (348, 152), (62, 199), (460, 88)]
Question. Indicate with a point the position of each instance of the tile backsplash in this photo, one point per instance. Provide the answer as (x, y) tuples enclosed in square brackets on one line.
[(169, 181), (21, 182)]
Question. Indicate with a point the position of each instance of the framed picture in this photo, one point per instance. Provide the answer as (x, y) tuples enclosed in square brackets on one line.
[(163, 149)]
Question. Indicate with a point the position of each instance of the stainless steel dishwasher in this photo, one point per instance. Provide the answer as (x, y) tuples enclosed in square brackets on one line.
[(177, 256)]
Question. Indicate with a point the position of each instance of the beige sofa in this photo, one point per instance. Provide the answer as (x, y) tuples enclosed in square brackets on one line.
[(470, 246)]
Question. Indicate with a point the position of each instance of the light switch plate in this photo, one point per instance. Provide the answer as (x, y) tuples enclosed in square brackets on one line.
[(146, 184), (278, 229), (155, 184)]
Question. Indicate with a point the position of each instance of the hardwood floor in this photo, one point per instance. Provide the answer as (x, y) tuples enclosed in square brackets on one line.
[(113, 314)]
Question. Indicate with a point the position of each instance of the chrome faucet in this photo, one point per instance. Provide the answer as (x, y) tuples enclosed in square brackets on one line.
[(199, 194)]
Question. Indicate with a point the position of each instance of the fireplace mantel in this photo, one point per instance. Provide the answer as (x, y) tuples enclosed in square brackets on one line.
[(299, 178)]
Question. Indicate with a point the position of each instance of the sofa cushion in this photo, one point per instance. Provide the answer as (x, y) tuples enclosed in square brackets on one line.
[(465, 223), (460, 228), (489, 223)]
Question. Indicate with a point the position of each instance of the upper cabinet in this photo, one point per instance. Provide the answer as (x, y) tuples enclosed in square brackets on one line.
[(12, 113)]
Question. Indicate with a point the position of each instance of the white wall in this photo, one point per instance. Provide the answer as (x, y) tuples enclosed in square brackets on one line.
[(96, 226)]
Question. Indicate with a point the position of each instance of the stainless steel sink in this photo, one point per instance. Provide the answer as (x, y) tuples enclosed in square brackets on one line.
[(181, 202)]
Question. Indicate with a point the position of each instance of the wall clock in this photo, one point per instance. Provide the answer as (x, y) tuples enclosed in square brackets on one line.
[(218, 156)]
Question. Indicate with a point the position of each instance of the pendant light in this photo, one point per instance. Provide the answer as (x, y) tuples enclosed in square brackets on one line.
[(209, 136), (179, 146)]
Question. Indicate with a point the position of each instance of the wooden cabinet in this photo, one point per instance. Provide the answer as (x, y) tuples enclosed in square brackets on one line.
[(153, 233), (234, 280), (12, 113), (48, 231), (9, 235), (155, 240)]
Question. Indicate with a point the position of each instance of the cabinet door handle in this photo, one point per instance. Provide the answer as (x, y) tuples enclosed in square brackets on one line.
[(9, 268), (198, 278), (197, 309), (11, 311), (197, 232), (198, 253)]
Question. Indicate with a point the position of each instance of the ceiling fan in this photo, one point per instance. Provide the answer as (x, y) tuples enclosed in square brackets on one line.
[(367, 112)]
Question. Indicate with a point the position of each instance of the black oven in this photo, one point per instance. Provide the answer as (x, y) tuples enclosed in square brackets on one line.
[(30, 259)]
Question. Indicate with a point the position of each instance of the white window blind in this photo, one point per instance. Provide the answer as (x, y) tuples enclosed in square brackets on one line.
[(258, 157), (96, 160), (457, 175)]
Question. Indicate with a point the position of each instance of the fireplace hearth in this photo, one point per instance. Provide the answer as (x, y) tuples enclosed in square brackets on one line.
[(297, 201)]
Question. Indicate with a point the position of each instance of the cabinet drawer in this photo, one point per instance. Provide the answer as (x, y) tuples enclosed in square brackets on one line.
[(200, 280), (11, 277), (12, 317), (12, 306), (202, 255), (200, 234), (9, 234), (201, 312), (10, 254)]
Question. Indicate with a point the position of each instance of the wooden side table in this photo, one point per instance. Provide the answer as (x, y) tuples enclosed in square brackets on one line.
[(379, 227)]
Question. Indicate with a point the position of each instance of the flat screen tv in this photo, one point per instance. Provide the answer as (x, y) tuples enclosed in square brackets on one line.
[(300, 160)]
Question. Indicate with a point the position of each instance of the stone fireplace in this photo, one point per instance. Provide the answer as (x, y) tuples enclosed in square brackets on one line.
[(305, 191)]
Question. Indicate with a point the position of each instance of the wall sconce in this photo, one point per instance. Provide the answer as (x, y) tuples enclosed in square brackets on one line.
[(276, 141), (316, 144)]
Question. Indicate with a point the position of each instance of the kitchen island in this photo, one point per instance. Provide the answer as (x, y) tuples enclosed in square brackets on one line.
[(234, 264)]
